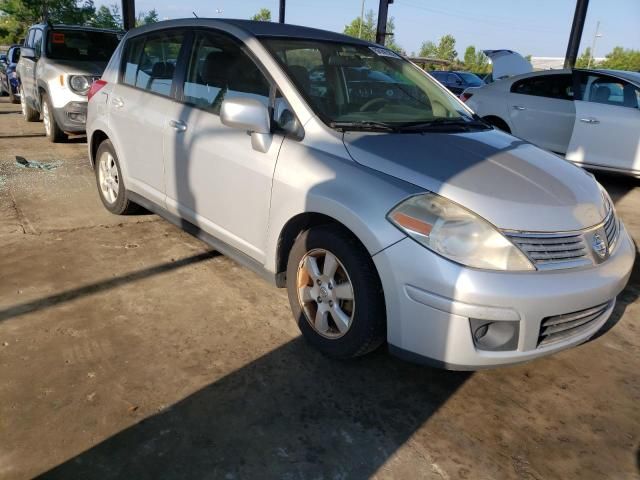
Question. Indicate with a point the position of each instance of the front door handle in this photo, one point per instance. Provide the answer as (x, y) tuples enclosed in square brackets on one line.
[(117, 102), (178, 125), (519, 107), (590, 120)]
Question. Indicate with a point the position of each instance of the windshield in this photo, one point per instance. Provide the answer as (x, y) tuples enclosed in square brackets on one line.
[(471, 79), (81, 45), (359, 84)]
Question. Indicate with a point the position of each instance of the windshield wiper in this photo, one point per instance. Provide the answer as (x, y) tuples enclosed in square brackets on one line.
[(364, 125), (442, 122)]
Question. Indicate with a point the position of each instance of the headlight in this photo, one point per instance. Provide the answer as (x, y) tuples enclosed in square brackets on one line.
[(456, 233), (79, 84)]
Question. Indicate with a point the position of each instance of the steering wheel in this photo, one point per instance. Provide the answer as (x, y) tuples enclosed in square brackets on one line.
[(374, 101)]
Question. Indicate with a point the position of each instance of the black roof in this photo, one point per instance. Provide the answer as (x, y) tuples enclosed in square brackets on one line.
[(255, 28), (76, 27)]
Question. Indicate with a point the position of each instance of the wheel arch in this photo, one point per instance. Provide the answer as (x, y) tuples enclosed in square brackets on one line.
[(498, 122), (97, 137)]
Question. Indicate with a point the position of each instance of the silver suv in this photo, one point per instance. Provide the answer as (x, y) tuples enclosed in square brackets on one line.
[(344, 173), (57, 65)]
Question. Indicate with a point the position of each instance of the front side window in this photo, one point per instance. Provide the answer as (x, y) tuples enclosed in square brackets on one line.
[(37, 42), (609, 91), (29, 41), (550, 86), (364, 86), (219, 69), (150, 61), (81, 45)]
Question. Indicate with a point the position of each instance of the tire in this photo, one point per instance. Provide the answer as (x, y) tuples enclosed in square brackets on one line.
[(51, 128), (365, 329), (107, 171), (30, 115), (12, 97)]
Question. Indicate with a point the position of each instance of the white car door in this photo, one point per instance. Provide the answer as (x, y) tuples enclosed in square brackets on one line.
[(542, 111), (607, 126)]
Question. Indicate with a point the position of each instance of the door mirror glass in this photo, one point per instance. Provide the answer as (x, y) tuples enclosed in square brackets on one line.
[(27, 52), (3, 58)]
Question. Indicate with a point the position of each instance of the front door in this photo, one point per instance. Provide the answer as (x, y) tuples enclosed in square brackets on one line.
[(607, 125), (138, 107), (214, 178)]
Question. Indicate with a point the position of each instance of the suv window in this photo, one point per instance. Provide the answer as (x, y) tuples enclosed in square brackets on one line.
[(550, 86), (219, 69), (150, 61), (608, 90), (29, 41), (37, 42)]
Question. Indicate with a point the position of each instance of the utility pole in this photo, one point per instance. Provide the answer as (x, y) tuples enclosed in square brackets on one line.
[(282, 7), (128, 14), (383, 11), (361, 19), (576, 33), (593, 44)]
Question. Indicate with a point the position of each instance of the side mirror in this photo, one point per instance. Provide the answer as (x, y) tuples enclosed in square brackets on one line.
[(251, 115), (27, 52), (3, 58), (458, 81)]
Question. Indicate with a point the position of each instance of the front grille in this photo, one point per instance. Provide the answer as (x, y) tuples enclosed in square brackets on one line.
[(611, 229), (552, 250), (561, 327)]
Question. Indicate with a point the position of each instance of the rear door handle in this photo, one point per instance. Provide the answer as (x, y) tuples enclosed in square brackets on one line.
[(117, 102), (178, 125), (519, 107), (590, 120)]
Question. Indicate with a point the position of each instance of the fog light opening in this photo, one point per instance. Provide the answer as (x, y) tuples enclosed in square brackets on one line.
[(494, 336)]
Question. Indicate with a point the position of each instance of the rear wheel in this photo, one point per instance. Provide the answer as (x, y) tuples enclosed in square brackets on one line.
[(111, 186), (51, 127), (29, 114), (335, 293)]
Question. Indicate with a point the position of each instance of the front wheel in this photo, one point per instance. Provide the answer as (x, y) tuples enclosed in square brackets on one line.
[(335, 293), (29, 114), (51, 127)]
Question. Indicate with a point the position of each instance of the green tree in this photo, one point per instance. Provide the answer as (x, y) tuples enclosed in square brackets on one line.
[(145, 18), (476, 61), (445, 50), (583, 60), (366, 30), (107, 18), (263, 15), (622, 59)]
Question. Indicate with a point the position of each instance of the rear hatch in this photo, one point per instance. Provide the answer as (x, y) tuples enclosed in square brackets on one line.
[(507, 63)]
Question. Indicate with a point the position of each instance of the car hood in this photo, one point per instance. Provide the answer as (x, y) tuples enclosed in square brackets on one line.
[(507, 63), (74, 67), (511, 183)]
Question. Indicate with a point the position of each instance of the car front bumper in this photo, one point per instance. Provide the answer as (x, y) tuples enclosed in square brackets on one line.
[(432, 302), (72, 117)]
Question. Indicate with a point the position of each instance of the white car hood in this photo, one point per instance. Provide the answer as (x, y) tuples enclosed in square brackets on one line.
[(511, 183), (507, 63)]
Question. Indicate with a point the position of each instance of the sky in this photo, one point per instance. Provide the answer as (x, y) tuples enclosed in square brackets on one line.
[(538, 27)]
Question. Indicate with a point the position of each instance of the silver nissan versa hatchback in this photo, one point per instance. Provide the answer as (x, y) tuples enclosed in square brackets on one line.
[(344, 173)]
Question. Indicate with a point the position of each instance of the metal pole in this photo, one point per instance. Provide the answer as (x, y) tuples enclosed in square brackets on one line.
[(282, 7), (383, 11), (576, 33), (361, 19), (128, 14), (593, 45)]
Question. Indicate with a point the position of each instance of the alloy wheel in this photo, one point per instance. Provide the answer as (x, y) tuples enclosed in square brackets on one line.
[(108, 177), (325, 293)]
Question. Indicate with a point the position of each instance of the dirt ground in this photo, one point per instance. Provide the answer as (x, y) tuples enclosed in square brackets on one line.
[(129, 349)]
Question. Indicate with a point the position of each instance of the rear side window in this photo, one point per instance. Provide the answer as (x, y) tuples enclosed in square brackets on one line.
[(219, 69), (150, 62), (550, 86)]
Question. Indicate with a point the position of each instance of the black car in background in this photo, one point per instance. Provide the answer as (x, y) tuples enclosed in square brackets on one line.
[(9, 82), (457, 82)]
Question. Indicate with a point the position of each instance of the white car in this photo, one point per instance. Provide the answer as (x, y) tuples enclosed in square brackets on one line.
[(591, 117)]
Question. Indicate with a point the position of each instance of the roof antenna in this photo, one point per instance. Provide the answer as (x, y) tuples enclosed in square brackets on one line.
[(194, 14)]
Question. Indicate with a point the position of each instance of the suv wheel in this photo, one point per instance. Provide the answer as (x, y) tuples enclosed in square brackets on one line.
[(51, 127), (335, 293), (30, 115), (110, 183)]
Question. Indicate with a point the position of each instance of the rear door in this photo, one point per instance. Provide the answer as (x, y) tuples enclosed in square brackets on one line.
[(27, 70), (542, 110), (607, 124), (138, 107)]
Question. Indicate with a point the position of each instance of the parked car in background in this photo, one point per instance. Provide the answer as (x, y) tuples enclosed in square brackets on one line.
[(457, 82), (591, 117), (58, 64), (399, 217), (9, 82)]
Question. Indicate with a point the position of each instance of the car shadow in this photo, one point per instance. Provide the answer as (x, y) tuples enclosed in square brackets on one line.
[(292, 413)]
